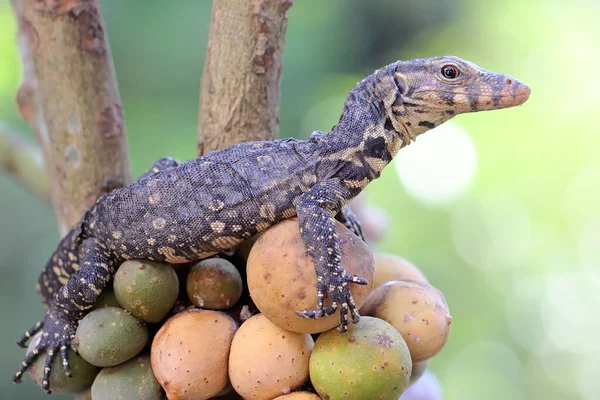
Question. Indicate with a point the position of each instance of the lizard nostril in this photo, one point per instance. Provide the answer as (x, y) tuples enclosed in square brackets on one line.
[(509, 81)]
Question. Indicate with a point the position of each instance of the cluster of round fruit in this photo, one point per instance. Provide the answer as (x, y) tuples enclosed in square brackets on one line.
[(205, 331)]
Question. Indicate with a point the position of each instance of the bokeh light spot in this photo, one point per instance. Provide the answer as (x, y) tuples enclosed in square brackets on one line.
[(439, 166), (570, 312), (589, 244), (501, 381), (492, 231), (523, 316), (582, 198)]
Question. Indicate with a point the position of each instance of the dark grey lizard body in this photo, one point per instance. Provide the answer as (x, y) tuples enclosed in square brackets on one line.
[(182, 213)]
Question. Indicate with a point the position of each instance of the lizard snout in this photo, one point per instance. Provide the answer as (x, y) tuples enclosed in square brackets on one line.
[(522, 93), (514, 93)]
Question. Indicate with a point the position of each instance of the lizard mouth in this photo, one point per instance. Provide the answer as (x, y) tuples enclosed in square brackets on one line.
[(514, 93)]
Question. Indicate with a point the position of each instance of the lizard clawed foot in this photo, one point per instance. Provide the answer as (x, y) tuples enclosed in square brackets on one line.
[(338, 291), (56, 337)]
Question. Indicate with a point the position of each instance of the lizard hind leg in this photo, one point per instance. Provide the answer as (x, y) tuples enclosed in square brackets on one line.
[(69, 305), (60, 267)]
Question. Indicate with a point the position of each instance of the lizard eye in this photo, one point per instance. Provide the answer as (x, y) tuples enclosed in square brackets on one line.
[(450, 71)]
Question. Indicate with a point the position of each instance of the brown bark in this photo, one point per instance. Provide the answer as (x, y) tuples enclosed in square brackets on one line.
[(24, 161), (31, 111), (239, 95), (82, 134)]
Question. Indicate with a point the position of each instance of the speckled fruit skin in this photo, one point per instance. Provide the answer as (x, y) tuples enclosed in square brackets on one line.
[(131, 380), (370, 361), (282, 278), (266, 361), (110, 336), (214, 284), (417, 310), (82, 371), (190, 352), (147, 289), (390, 267)]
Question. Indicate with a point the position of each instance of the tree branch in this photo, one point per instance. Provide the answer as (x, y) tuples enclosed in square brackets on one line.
[(30, 109), (83, 136), (239, 95), (23, 160)]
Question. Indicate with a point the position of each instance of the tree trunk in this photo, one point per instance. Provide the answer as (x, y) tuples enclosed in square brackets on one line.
[(239, 96), (73, 90)]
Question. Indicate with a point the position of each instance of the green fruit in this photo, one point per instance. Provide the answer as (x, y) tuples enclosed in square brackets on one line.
[(106, 299), (131, 380), (243, 249), (370, 361), (83, 373), (214, 284), (110, 336), (147, 289)]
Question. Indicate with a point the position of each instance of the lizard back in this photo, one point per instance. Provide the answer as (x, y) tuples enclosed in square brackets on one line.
[(207, 204)]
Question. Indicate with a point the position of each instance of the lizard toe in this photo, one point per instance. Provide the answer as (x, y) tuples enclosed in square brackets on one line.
[(29, 359), (22, 342), (64, 356), (50, 354)]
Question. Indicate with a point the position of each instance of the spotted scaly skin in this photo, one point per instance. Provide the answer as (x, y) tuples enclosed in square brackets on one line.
[(181, 213)]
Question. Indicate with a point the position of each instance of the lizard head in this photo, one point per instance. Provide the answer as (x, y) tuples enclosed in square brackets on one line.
[(433, 90)]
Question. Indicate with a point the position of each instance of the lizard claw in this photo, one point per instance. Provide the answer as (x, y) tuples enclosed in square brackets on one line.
[(317, 312), (339, 294), (55, 337)]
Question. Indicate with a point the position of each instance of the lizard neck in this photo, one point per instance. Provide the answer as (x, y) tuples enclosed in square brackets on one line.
[(368, 134)]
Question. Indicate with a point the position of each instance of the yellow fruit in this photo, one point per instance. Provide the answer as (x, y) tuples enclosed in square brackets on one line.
[(189, 354), (390, 267), (267, 361), (417, 310), (282, 279)]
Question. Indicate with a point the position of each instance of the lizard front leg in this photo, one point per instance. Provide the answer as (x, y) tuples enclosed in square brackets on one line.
[(69, 305), (316, 209)]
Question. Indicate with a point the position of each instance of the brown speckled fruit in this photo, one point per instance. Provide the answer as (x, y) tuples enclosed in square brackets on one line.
[(130, 380), (190, 352), (417, 310), (370, 361), (282, 279), (147, 289), (266, 361), (83, 373), (109, 336), (390, 267), (214, 284)]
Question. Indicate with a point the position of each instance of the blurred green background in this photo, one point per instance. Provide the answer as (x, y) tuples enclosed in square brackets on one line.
[(501, 210)]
